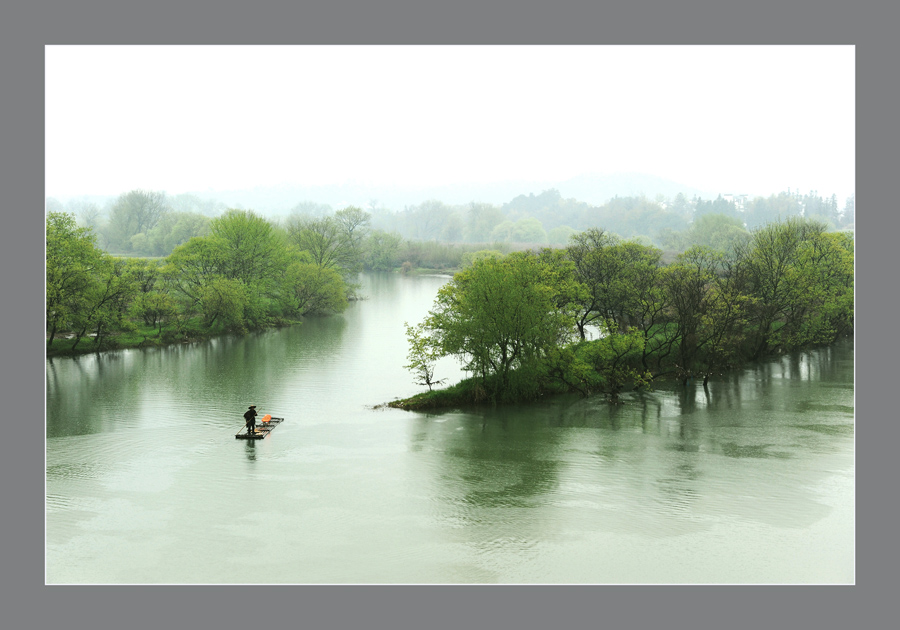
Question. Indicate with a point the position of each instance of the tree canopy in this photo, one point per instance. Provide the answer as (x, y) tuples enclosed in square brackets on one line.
[(243, 274), (517, 321), (501, 314)]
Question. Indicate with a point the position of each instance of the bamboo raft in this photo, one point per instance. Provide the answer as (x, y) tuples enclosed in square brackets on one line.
[(261, 431)]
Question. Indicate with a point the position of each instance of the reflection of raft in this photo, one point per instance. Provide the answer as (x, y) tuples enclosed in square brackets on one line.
[(262, 430)]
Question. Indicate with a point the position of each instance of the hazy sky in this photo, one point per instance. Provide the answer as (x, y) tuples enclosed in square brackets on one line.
[(731, 119)]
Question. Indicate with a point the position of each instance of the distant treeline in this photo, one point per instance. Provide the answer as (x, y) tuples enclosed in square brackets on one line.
[(150, 223), (549, 219), (520, 323), (152, 269)]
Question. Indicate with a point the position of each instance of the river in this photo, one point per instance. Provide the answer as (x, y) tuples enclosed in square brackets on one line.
[(749, 481)]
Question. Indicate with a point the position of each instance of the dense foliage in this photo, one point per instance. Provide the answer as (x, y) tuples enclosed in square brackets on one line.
[(606, 314), (669, 286), (245, 274)]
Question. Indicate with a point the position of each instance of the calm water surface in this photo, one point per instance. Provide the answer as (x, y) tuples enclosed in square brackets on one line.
[(751, 481)]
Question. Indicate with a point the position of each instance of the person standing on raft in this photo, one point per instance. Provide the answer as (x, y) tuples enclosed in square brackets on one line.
[(250, 417)]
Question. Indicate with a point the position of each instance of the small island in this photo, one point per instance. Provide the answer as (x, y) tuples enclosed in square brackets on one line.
[(519, 322)]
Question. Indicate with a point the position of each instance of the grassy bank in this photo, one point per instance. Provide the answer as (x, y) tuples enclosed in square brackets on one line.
[(473, 392)]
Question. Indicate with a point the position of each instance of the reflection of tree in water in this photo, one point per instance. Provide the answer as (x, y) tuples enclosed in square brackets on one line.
[(827, 364), (644, 465), (86, 393), (506, 459), (102, 385), (509, 462)]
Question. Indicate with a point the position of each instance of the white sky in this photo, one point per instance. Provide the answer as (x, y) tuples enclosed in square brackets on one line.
[(732, 119)]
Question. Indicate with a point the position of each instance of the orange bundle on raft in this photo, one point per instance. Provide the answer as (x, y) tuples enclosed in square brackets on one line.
[(267, 417)]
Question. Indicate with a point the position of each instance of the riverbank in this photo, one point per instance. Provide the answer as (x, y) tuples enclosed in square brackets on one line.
[(142, 336), (66, 345)]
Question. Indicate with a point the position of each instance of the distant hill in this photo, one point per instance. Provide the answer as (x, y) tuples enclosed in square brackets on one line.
[(595, 189)]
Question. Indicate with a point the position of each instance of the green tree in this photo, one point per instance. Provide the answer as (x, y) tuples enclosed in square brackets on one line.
[(382, 250), (193, 265), (481, 220), (608, 364), (610, 270), (173, 229), (310, 289), (153, 303), (525, 230), (89, 214), (106, 301), (645, 305), (422, 356), (585, 250), (454, 228), (72, 264), (355, 225), (427, 220), (689, 283), (224, 301), (503, 231), (560, 235), (501, 314), (821, 306), (529, 230), (333, 242), (135, 212), (773, 276), (251, 249), (630, 216), (470, 258), (717, 231)]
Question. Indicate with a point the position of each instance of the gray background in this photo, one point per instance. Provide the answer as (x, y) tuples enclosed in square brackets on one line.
[(24, 30)]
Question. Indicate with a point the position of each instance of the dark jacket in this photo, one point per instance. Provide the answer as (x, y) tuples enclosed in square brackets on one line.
[(250, 416)]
